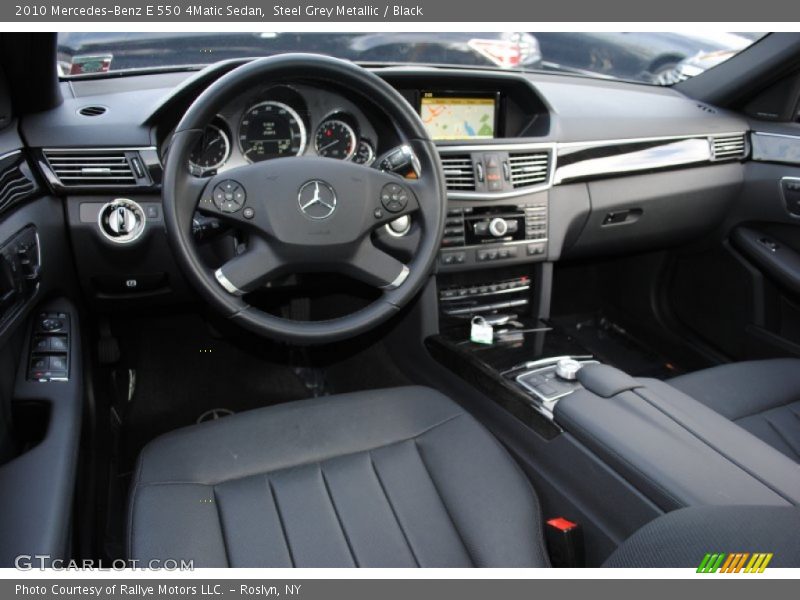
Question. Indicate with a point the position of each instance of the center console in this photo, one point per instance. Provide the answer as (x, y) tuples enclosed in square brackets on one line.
[(670, 448)]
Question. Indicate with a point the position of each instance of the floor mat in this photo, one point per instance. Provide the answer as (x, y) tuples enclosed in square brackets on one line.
[(182, 371), (615, 345)]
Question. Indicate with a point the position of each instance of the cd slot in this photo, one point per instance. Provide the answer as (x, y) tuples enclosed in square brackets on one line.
[(464, 300)]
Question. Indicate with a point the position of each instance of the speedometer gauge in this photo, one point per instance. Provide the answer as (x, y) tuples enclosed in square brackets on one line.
[(335, 139), (271, 130), (211, 150)]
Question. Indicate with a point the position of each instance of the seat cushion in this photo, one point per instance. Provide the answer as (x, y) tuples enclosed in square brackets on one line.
[(399, 477), (681, 538), (761, 396)]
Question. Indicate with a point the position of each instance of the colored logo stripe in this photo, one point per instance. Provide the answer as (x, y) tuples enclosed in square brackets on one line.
[(735, 562), (758, 563), (710, 563)]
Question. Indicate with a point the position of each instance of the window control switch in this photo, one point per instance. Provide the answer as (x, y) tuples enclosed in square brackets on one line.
[(58, 362)]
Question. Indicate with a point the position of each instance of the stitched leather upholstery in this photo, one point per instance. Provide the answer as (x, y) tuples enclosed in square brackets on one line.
[(397, 477)]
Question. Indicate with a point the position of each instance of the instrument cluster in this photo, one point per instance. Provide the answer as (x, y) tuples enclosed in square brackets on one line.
[(284, 121)]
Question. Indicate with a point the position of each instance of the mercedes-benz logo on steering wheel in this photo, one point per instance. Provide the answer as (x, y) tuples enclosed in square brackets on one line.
[(316, 199)]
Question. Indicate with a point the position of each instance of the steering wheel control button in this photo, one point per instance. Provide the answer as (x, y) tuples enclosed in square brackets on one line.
[(121, 221), (316, 199), (228, 196), (394, 197), (248, 213)]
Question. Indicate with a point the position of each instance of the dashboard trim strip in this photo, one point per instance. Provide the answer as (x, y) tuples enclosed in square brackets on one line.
[(663, 138), (644, 159), (785, 150), (100, 149)]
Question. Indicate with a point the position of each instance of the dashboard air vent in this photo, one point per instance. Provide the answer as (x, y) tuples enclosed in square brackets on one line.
[(88, 168), (15, 186), (729, 146), (529, 168), (459, 173), (92, 111)]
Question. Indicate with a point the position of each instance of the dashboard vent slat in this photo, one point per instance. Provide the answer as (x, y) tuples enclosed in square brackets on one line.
[(76, 168), (529, 168), (728, 147), (459, 173)]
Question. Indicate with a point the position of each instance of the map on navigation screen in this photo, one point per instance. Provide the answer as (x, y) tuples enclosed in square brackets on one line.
[(452, 118)]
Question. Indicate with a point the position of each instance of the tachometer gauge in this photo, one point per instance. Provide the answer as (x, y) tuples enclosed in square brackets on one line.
[(365, 153), (211, 150), (271, 130), (335, 139)]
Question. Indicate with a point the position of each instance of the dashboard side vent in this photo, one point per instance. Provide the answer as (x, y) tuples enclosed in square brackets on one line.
[(529, 168), (728, 147), (459, 173), (92, 111), (16, 185), (91, 168)]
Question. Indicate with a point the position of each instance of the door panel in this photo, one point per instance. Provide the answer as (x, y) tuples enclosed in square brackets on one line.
[(40, 416), (740, 292)]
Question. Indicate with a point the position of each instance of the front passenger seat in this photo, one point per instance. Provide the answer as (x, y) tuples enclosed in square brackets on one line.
[(762, 397), (399, 477)]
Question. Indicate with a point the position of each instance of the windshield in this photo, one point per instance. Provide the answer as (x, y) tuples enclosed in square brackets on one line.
[(660, 58)]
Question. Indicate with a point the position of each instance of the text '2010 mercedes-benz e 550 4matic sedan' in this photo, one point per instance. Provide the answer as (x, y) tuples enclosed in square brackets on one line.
[(400, 300)]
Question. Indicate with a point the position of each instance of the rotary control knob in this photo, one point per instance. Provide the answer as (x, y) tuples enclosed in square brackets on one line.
[(498, 227), (567, 369)]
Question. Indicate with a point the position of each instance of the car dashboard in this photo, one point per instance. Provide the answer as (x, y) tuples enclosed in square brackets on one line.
[(563, 167)]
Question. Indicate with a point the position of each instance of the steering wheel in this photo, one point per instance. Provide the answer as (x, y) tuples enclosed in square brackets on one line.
[(304, 214)]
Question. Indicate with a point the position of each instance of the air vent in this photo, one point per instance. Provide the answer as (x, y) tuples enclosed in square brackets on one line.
[(459, 173), (15, 186), (729, 146), (529, 168), (92, 111), (91, 168)]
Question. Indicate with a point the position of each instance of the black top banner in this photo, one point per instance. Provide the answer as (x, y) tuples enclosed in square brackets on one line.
[(400, 11)]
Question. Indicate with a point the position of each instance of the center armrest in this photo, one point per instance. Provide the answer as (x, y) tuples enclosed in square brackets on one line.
[(675, 450)]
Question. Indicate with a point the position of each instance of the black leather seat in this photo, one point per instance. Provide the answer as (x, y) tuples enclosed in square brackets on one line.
[(762, 397), (398, 477)]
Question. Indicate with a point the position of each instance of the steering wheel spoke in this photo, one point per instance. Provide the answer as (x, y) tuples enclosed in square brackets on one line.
[(249, 270), (377, 268)]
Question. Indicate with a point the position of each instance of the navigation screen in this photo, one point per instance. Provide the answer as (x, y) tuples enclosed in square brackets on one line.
[(456, 118)]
